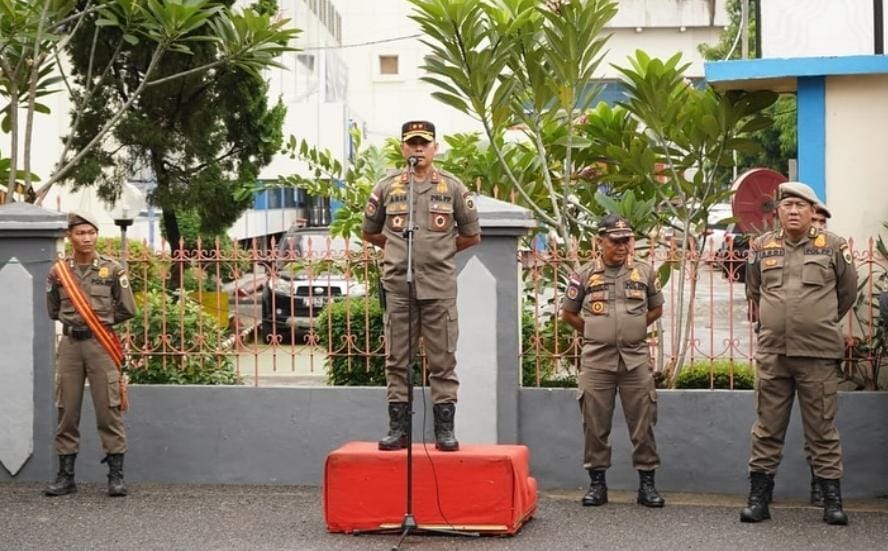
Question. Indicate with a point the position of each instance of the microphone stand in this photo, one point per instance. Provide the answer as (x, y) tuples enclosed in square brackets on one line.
[(409, 525)]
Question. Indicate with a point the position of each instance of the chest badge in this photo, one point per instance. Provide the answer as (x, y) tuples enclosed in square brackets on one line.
[(441, 187), (597, 307), (772, 244), (635, 276), (770, 262), (104, 272), (820, 242), (398, 222)]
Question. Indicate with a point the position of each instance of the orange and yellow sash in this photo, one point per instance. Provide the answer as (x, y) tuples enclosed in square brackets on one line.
[(107, 338)]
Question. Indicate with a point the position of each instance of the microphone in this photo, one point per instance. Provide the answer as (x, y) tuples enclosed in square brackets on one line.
[(412, 160)]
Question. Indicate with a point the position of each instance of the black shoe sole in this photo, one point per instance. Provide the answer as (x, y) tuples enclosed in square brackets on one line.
[(754, 520), (58, 494), (651, 505), (589, 504)]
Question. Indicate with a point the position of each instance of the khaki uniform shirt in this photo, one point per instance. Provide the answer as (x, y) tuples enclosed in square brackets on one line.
[(614, 311), (107, 286), (442, 208), (802, 290)]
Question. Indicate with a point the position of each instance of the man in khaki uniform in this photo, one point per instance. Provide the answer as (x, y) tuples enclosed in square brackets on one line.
[(445, 221), (801, 281), (81, 357), (820, 216), (611, 301)]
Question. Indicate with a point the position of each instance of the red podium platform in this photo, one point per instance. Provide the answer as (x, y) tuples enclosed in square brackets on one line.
[(485, 489)]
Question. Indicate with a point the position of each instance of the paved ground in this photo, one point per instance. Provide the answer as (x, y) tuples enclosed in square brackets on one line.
[(280, 517)]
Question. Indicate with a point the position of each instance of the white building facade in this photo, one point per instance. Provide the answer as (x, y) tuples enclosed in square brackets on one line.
[(382, 48)]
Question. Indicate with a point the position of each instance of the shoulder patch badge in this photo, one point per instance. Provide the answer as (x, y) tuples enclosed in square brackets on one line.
[(846, 254), (657, 284), (572, 292), (751, 257), (124, 281)]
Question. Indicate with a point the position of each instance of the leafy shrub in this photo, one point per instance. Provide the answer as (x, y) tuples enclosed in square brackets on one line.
[(550, 373), (190, 330), (697, 375), (344, 330)]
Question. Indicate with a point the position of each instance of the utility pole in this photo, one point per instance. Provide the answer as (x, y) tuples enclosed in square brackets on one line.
[(744, 29)]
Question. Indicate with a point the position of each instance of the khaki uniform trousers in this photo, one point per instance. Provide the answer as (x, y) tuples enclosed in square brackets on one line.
[(79, 360), (437, 321), (779, 378), (597, 388)]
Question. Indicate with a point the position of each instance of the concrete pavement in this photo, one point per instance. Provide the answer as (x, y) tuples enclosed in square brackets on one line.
[(156, 517)]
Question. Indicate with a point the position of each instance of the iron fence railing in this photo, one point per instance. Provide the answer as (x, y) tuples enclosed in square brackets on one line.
[(293, 315)]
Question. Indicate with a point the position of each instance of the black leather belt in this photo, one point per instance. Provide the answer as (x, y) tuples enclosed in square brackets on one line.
[(77, 333)]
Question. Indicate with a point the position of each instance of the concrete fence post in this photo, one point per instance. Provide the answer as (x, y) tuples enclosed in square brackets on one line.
[(30, 237), (489, 326)]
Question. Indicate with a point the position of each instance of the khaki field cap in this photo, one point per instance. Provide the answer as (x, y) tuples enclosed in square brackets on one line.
[(77, 217), (797, 189), (422, 129), (821, 208), (614, 226)]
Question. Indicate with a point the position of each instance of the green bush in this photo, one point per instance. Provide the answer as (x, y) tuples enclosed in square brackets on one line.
[(183, 321), (717, 374), (344, 330), (549, 375)]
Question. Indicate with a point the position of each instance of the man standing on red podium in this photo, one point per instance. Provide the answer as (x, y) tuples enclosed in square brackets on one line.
[(611, 301), (445, 222)]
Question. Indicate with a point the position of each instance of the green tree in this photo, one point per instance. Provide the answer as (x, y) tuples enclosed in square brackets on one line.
[(138, 38), (778, 141), (350, 184), (526, 65), (202, 135), (662, 156)]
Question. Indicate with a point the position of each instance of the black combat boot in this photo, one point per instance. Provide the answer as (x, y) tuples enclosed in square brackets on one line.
[(816, 490), (445, 440), (597, 494), (116, 485), (399, 425), (64, 482), (832, 502), (760, 486), (647, 491)]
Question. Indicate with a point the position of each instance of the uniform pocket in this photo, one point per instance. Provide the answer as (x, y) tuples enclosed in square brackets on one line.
[(830, 399), (772, 272), (58, 390), (440, 217), (100, 296), (635, 302), (595, 303), (452, 329), (652, 397), (113, 389), (816, 272), (396, 215)]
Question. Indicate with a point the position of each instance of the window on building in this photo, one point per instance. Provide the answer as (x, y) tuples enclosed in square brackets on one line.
[(388, 65), (307, 60)]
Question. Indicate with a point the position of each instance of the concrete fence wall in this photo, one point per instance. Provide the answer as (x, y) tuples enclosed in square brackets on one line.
[(282, 435)]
